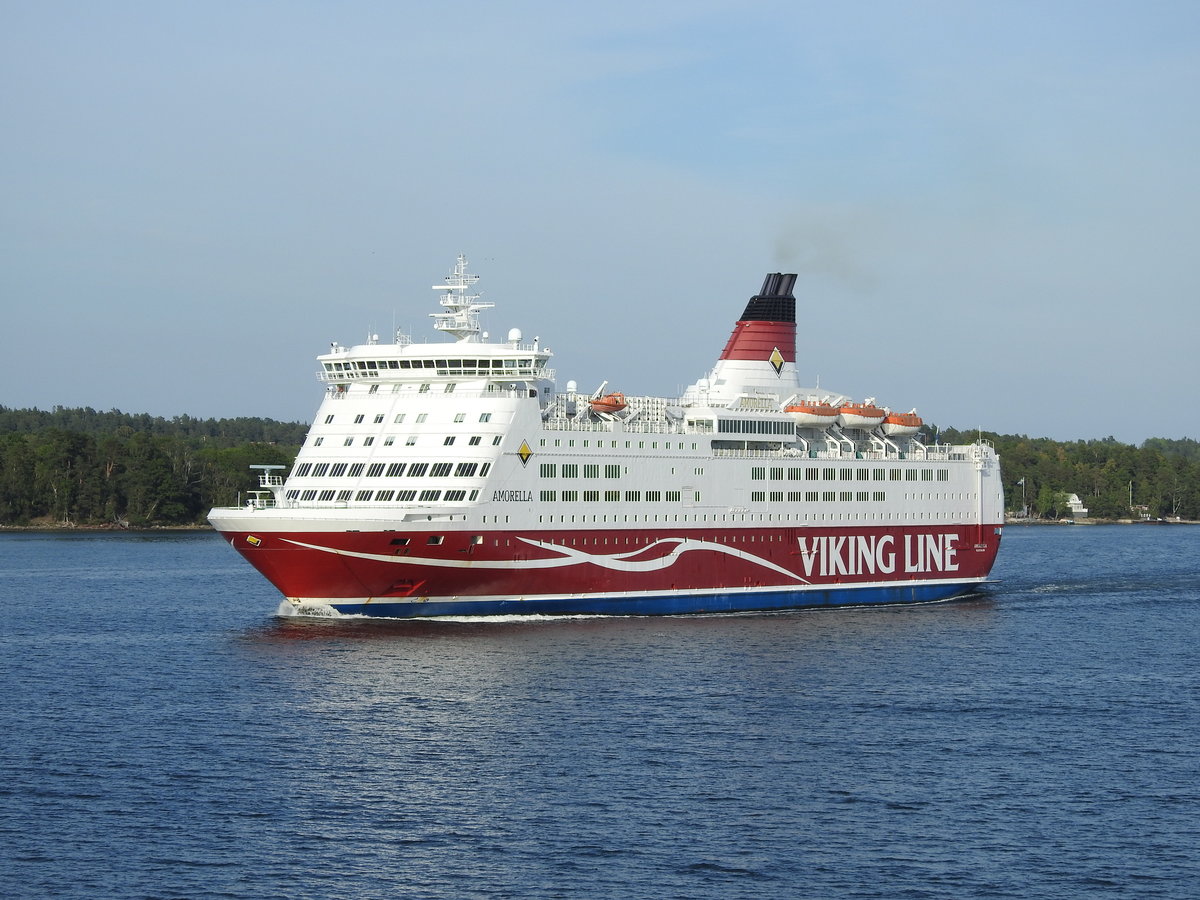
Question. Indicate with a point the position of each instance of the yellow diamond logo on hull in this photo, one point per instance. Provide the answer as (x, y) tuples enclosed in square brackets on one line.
[(776, 360), (524, 452)]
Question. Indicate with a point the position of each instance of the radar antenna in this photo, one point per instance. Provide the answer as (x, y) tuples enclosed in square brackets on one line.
[(462, 316)]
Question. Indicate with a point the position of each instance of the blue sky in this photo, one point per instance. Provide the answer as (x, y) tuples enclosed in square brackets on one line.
[(992, 207)]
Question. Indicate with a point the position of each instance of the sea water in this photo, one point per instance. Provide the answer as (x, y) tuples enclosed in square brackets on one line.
[(164, 734)]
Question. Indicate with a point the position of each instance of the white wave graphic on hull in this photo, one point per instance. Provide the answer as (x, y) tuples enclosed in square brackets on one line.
[(569, 556)]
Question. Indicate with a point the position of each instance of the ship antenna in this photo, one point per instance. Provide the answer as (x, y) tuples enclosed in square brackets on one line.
[(462, 316)]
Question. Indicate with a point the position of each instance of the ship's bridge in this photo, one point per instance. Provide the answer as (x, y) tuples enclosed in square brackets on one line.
[(398, 363), (471, 355)]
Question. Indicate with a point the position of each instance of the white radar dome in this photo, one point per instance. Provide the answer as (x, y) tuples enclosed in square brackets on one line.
[(572, 387), (514, 334)]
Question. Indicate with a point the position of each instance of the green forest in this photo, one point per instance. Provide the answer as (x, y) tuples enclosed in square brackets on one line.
[(86, 468), (82, 467)]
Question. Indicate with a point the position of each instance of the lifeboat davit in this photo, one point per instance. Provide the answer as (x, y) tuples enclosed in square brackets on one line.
[(901, 423), (859, 415), (821, 415), (609, 403)]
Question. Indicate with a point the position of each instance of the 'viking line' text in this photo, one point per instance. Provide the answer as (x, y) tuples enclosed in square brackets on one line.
[(878, 554)]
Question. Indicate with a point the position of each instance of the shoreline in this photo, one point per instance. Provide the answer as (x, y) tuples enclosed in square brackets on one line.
[(62, 528), (1090, 521)]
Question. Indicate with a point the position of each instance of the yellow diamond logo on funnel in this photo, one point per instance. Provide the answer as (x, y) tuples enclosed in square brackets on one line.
[(776, 360), (524, 452)]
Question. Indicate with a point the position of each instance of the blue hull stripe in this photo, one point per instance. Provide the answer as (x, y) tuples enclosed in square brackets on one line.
[(662, 604)]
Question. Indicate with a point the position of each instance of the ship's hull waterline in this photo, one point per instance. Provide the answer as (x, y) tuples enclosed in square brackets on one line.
[(591, 573)]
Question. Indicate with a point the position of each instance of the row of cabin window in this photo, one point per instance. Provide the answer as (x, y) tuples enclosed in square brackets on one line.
[(473, 364), (755, 426), (674, 496), (831, 473), (391, 470), (451, 496), (409, 441), (817, 496), (641, 445), (571, 470), (592, 470), (400, 417), (613, 496), (340, 391), (386, 496)]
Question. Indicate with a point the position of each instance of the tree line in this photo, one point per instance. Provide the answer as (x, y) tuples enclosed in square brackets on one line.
[(84, 467), (1159, 479)]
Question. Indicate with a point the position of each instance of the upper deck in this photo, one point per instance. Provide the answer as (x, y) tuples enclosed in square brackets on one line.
[(413, 362), (442, 428)]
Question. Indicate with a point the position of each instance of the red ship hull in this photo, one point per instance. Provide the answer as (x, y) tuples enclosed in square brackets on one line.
[(438, 573)]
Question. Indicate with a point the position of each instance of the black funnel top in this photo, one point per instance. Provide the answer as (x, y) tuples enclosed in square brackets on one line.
[(774, 303)]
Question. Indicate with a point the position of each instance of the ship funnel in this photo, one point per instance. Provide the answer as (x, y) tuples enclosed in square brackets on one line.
[(766, 331), (760, 356)]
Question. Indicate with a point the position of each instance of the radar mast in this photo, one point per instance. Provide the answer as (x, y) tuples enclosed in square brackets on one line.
[(462, 316)]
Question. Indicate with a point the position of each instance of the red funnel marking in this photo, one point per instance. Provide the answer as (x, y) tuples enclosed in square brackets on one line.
[(769, 322), (756, 340)]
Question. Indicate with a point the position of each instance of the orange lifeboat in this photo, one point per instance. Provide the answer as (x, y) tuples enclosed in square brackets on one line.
[(609, 403), (812, 413), (859, 415), (901, 423)]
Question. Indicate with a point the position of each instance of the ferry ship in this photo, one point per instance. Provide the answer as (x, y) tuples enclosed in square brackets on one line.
[(453, 478)]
